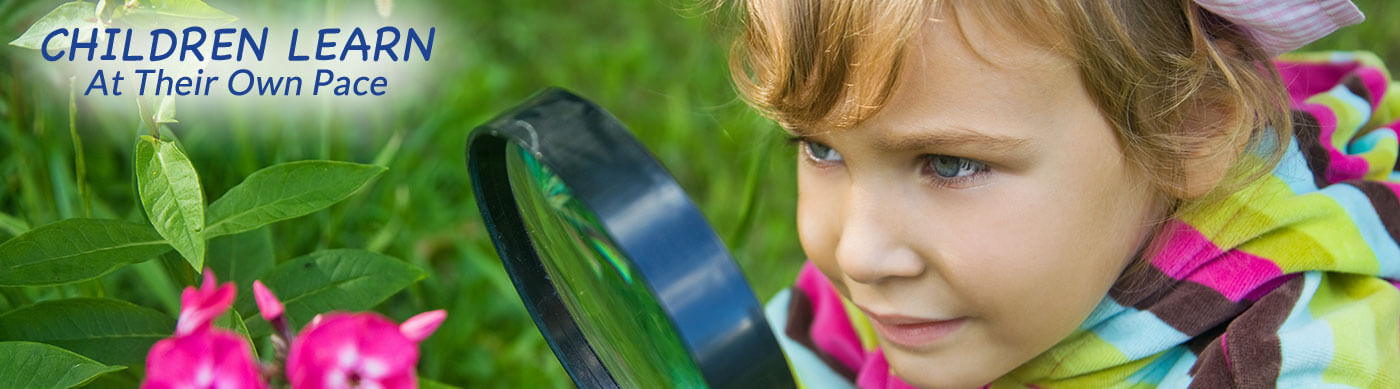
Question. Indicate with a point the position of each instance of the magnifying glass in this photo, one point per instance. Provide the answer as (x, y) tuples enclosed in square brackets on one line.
[(619, 270)]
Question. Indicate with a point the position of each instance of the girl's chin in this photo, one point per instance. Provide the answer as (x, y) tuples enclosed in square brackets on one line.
[(923, 376), (952, 366)]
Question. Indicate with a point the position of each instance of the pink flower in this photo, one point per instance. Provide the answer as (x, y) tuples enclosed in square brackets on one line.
[(361, 350), (200, 307), (207, 359), (200, 356)]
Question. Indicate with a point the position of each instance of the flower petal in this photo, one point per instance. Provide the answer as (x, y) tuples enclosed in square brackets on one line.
[(209, 282), (268, 305), (368, 344), (199, 307), (422, 325), (204, 357)]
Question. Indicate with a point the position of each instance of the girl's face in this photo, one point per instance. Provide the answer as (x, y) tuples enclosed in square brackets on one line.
[(981, 215)]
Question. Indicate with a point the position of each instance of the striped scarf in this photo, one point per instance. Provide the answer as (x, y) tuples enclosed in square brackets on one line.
[(1289, 282)]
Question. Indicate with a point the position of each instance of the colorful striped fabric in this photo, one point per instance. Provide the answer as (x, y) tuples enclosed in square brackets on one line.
[(1290, 282)]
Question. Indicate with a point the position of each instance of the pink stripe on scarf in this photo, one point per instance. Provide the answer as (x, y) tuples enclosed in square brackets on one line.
[(831, 330), (1340, 165), (1305, 80), (1374, 80), (1190, 256), (875, 374)]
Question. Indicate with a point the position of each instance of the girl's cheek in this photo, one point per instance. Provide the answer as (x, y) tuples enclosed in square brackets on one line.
[(818, 223)]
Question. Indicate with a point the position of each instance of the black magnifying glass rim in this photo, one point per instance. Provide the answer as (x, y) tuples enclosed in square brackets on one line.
[(653, 223)]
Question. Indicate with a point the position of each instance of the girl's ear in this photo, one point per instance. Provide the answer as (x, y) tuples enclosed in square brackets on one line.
[(1221, 136), (1217, 128)]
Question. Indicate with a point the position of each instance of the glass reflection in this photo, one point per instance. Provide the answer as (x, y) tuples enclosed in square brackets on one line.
[(621, 319)]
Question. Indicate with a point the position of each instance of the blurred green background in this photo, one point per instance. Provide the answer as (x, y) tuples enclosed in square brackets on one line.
[(657, 65)]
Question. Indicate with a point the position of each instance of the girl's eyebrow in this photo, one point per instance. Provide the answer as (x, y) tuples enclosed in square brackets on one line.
[(953, 137)]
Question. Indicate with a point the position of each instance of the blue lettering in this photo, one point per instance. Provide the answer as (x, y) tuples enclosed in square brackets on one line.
[(98, 82), (219, 42), (111, 37), (233, 80), (187, 47), (155, 42), (356, 36), (316, 88), (292, 52), (414, 40), (126, 49), (44, 48), (381, 47), (143, 72), (90, 45), (321, 43), (258, 47)]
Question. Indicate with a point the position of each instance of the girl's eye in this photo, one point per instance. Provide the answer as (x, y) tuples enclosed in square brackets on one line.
[(949, 168), (821, 153), (953, 167)]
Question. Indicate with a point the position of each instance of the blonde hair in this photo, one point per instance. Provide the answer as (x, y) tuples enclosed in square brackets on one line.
[(1177, 83)]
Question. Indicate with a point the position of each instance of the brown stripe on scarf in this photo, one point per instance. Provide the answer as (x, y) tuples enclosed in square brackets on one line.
[(1194, 308), (1357, 87), (1189, 307), (1309, 133), (1211, 370), (1141, 287), (1205, 339), (1252, 340), (799, 327), (1385, 202)]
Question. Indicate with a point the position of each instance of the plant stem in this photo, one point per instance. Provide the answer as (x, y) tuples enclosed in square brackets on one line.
[(79, 165), (740, 236)]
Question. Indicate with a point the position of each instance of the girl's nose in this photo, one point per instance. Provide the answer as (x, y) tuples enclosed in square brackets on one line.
[(871, 247)]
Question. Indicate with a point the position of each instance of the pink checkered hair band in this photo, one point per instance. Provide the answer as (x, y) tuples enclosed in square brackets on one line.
[(1280, 26)]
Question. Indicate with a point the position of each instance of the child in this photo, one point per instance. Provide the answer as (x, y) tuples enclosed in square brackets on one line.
[(1082, 193)]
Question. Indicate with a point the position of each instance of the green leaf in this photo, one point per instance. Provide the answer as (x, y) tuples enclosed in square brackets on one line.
[(74, 250), (36, 365), (166, 112), (178, 270), (330, 280), (285, 191), (241, 257), (171, 195), (232, 321), (76, 14), (168, 13), (110, 331), (12, 225), (117, 380), (153, 277)]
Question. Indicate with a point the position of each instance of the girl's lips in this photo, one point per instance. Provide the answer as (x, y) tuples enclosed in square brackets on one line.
[(913, 332)]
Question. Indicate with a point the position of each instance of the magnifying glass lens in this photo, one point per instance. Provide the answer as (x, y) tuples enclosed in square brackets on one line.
[(622, 321)]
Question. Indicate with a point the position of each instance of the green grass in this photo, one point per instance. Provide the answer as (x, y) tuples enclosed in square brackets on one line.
[(658, 69), (1380, 33)]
